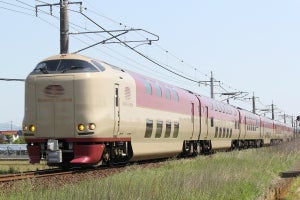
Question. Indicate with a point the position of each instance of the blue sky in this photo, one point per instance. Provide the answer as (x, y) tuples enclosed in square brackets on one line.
[(250, 46)]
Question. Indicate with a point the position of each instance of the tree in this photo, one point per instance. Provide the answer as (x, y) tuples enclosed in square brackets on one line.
[(20, 140)]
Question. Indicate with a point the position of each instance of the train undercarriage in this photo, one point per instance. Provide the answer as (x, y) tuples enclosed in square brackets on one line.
[(66, 154), (204, 147)]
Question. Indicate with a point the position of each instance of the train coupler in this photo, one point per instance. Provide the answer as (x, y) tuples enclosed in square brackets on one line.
[(54, 154)]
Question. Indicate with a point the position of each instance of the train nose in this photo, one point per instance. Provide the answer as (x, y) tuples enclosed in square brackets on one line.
[(55, 106)]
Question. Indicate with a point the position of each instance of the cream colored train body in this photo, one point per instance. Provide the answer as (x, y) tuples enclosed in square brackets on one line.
[(80, 111)]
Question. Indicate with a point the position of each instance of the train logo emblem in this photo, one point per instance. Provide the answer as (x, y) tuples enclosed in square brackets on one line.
[(54, 90)]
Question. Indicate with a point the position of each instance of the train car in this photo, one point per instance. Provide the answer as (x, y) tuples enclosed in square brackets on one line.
[(267, 130), (282, 133), (250, 130), (81, 112), (219, 123)]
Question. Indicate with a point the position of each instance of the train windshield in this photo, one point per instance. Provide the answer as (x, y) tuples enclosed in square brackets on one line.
[(65, 66)]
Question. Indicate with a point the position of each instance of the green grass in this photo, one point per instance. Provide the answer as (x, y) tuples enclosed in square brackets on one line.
[(234, 175), (294, 191), (18, 166)]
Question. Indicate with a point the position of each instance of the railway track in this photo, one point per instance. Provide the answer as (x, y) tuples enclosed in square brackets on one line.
[(36, 174), (101, 170)]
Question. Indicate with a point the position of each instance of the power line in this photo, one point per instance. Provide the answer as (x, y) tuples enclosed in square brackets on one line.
[(16, 11), (163, 65), (11, 79)]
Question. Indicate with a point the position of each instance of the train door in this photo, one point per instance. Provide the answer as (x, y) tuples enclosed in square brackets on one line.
[(193, 118), (245, 128), (206, 121), (240, 125), (261, 128), (116, 111)]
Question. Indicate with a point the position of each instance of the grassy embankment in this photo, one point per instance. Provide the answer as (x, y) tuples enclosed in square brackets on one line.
[(294, 191), (234, 175), (15, 166)]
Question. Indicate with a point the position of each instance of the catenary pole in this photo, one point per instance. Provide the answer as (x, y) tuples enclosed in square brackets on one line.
[(64, 27)]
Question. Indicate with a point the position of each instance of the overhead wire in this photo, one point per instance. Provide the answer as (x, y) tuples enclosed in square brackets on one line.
[(158, 63)]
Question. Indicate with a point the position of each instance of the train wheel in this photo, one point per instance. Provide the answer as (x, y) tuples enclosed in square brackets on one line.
[(196, 149)]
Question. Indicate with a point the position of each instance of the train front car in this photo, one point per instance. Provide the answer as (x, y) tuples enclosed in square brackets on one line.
[(70, 112)]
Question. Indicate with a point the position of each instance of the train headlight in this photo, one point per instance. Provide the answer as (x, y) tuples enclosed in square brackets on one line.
[(80, 127), (91, 126), (25, 127), (32, 128)]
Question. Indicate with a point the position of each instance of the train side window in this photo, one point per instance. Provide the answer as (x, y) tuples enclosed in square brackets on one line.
[(148, 87), (175, 95), (167, 93), (224, 132), (159, 126), (100, 67), (149, 128), (168, 129), (176, 129), (220, 132), (216, 132), (157, 90), (230, 135), (227, 134), (211, 122), (117, 97)]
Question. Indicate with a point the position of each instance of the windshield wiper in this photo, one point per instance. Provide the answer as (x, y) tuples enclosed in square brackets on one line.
[(44, 70), (72, 68)]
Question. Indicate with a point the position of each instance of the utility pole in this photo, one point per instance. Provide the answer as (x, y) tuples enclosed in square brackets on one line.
[(253, 104), (212, 85), (64, 27), (64, 22), (272, 108)]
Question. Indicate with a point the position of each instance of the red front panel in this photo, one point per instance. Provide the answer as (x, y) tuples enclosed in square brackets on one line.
[(34, 153), (88, 154)]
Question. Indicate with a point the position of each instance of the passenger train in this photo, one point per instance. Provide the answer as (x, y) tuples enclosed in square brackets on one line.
[(81, 111)]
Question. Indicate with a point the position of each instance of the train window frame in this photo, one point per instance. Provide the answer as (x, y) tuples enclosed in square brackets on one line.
[(57, 66), (176, 130), (159, 127), (149, 128), (168, 129)]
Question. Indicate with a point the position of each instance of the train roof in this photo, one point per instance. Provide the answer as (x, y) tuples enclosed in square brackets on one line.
[(68, 56)]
